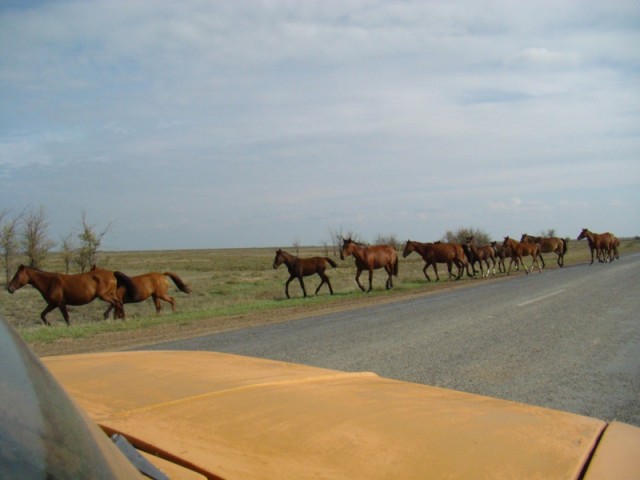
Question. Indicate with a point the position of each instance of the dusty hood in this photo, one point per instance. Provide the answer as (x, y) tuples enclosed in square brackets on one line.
[(240, 417)]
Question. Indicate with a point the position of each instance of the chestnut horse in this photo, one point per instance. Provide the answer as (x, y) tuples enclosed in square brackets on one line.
[(371, 258), (519, 250), (480, 254), (599, 243), (433, 253), (501, 253), (303, 267), (548, 245), (60, 290), (154, 285)]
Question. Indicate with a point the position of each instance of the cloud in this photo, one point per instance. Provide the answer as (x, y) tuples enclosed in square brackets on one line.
[(543, 57), (288, 118)]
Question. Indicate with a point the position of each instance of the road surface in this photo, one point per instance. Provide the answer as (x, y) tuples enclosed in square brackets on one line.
[(567, 339)]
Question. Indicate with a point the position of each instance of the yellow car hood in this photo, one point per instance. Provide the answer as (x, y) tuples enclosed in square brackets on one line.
[(235, 417)]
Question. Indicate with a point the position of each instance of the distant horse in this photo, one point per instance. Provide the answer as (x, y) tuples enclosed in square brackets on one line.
[(303, 267), (433, 253), (599, 243), (371, 258), (154, 285), (501, 253), (519, 250), (615, 243), (60, 290), (548, 245), (480, 254)]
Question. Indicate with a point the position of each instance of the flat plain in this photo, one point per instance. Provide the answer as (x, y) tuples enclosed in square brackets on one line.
[(232, 289)]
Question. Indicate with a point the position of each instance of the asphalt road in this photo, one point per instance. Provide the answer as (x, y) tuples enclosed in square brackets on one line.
[(567, 339)]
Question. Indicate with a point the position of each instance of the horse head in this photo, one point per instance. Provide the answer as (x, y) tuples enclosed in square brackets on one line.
[(348, 246), (19, 280), (584, 234), (408, 248), (279, 259)]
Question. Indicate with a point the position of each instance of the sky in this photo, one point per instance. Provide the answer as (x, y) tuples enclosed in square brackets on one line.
[(216, 124)]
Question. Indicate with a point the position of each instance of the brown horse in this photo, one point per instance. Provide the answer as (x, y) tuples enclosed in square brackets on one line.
[(303, 267), (501, 253), (154, 285), (548, 245), (60, 290), (433, 253), (599, 243), (615, 243), (480, 254), (519, 250), (371, 258)]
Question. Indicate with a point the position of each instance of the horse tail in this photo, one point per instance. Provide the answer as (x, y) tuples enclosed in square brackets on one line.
[(331, 262), (183, 287), (125, 281), (564, 246), (396, 265)]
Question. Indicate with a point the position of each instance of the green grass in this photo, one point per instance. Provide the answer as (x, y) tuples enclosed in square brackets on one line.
[(225, 283)]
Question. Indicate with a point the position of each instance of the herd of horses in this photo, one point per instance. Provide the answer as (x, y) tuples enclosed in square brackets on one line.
[(464, 256), (114, 287)]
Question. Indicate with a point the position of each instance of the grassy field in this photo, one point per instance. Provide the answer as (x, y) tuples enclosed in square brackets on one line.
[(230, 283)]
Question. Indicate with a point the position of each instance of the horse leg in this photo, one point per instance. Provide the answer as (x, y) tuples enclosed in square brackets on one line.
[(536, 262), (286, 285), (370, 279), (449, 267), (460, 269), (358, 273), (44, 313), (424, 270), (325, 279), (119, 313), (511, 264), (304, 290), (389, 270), (65, 313), (107, 311), (435, 269)]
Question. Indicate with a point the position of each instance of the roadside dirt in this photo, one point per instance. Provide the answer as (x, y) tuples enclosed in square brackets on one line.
[(114, 341)]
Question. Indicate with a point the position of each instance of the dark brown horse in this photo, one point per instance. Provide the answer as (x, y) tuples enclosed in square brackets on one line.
[(481, 254), (371, 258), (154, 285), (434, 253), (303, 267), (548, 245), (599, 243), (60, 290), (519, 250), (501, 253)]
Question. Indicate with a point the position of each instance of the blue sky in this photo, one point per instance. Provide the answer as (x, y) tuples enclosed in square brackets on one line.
[(204, 124)]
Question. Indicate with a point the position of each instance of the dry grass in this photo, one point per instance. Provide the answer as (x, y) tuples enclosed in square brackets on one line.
[(228, 283)]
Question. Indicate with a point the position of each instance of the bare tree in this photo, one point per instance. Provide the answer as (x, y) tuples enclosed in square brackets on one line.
[(461, 235), (90, 242), (9, 243), (390, 239), (35, 242), (67, 251)]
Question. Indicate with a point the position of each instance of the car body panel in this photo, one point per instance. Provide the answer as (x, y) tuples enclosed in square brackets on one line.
[(618, 454), (240, 417)]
